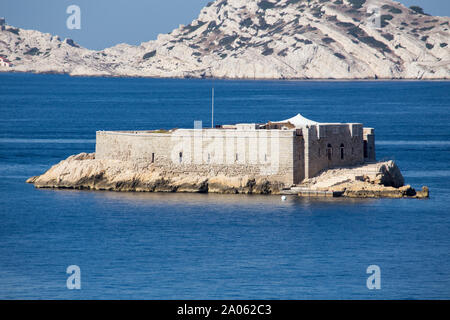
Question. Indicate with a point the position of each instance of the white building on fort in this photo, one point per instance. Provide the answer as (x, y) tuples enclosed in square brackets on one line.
[(288, 151)]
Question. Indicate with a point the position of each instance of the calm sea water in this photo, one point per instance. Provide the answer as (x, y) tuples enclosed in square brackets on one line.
[(192, 246)]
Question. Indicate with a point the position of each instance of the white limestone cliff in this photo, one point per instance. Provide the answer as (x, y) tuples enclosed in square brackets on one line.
[(264, 39)]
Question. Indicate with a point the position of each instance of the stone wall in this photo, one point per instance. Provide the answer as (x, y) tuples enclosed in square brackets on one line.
[(332, 145), (299, 159), (287, 156), (369, 145), (256, 153)]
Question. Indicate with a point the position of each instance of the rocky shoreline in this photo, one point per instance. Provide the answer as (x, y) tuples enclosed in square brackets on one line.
[(84, 172)]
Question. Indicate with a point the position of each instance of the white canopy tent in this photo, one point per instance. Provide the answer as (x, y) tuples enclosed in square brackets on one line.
[(298, 121)]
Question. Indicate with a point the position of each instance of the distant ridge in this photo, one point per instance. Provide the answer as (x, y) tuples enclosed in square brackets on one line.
[(259, 39)]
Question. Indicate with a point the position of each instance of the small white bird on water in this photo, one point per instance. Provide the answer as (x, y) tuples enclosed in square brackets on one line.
[(283, 198)]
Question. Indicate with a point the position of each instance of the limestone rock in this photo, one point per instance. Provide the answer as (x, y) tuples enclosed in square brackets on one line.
[(83, 171), (384, 173), (368, 190), (268, 39), (372, 180), (389, 175)]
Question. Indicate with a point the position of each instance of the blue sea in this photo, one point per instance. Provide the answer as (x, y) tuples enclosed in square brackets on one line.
[(207, 246)]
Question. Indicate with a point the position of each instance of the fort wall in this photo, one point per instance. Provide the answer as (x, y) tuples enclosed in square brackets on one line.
[(369, 142), (288, 156), (258, 153), (332, 145)]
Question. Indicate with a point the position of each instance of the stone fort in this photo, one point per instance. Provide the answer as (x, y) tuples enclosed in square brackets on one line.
[(287, 151)]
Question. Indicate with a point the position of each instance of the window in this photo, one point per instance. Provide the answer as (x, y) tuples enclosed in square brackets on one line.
[(318, 152), (265, 157), (329, 152), (209, 157), (236, 158), (181, 157), (153, 157), (365, 149), (342, 151)]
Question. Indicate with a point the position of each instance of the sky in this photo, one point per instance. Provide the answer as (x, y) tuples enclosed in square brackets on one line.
[(105, 23)]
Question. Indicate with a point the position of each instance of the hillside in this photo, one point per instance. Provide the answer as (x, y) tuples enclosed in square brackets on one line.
[(285, 39)]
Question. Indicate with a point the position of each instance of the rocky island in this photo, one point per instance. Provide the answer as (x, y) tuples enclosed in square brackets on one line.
[(293, 156), (258, 39)]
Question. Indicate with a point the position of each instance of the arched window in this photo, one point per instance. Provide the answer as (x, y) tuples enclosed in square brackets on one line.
[(342, 151), (181, 157), (329, 152)]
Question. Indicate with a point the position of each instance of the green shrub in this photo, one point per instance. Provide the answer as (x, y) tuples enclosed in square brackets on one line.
[(33, 52), (427, 28), (267, 52), (246, 23), (227, 40), (190, 28), (387, 36), (417, 9), (283, 53), (149, 55), (13, 30), (328, 40), (266, 5), (385, 18), (357, 3), (340, 56), (391, 9)]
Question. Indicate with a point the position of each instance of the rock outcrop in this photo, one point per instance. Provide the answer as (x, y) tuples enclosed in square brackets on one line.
[(373, 180), (266, 39), (386, 174), (83, 171), (367, 190)]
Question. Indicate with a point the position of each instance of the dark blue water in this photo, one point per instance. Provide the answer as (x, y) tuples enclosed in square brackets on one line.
[(164, 246)]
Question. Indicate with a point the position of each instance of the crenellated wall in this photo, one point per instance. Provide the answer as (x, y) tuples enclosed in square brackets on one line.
[(332, 145)]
